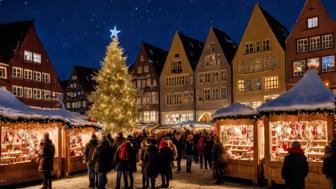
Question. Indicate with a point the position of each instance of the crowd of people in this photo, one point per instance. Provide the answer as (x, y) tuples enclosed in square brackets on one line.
[(156, 153)]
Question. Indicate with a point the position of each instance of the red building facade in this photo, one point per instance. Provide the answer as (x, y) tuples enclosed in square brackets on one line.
[(25, 68)]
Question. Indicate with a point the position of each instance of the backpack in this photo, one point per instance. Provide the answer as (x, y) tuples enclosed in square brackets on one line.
[(123, 151)]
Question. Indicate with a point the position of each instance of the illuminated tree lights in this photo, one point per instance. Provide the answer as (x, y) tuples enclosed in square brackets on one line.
[(114, 101)]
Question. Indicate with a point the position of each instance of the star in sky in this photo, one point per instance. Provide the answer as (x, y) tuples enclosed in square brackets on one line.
[(114, 32)]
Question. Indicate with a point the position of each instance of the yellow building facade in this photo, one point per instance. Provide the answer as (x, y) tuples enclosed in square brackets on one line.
[(259, 62)]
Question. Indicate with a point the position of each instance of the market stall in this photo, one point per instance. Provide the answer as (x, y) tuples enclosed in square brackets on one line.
[(242, 136), (21, 131), (306, 114)]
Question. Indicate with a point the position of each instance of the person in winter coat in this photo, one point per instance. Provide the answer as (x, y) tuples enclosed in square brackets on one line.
[(189, 150), (172, 146), (208, 146), (101, 158), (179, 143), (200, 150), (329, 163), (220, 159), (144, 145), (196, 137), (152, 162), (295, 167), (87, 159), (125, 162), (116, 143), (46, 160), (166, 157)]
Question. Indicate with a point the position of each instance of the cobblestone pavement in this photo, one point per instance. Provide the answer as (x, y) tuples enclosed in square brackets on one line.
[(198, 178)]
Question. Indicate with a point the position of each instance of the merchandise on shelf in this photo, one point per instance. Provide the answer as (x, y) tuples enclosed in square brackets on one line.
[(23, 144), (78, 139), (311, 134), (239, 140)]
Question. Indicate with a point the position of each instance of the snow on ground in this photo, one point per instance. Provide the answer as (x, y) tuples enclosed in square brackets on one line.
[(198, 178)]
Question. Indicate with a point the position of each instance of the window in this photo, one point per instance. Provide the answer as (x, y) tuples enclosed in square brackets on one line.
[(327, 41), (148, 82), (142, 59), (313, 22), (28, 56), (315, 43), (176, 66), (313, 64), (139, 69), (17, 91), (28, 74), (248, 85), (146, 69), (257, 46), (155, 98), (271, 82), (328, 63), (207, 94), (223, 76), (84, 104), (45, 78), (299, 67), (36, 76), (218, 60), (46, 94), (212, 48), (241, 85), (37, 58), (27, 92), (201, 78), (266, 45), (223, 93), (215, 94), (257, 84), (302, 45), (17, 72), (249, 48), (37, 93), (207, 77), (3, 72)]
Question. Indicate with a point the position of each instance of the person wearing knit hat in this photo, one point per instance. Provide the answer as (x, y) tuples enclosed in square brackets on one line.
[(166, 158)]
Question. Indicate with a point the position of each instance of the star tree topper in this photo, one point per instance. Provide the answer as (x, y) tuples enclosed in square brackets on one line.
[(114, 32)]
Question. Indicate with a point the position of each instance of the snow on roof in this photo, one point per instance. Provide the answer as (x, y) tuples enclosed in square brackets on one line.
[(12, 108), (308, 94), (234, 110)]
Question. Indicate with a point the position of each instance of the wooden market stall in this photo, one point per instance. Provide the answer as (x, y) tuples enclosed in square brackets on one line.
[(305, 113), (242, 135), (21, 131)]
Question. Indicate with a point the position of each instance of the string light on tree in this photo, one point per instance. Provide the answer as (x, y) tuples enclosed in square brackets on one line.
[(114, 101)]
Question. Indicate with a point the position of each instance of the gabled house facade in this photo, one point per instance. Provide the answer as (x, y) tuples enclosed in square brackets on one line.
[(177, 89), (311, 45), (80, 85), (146, 79), (259, 62), (213, 83), (25, 67)]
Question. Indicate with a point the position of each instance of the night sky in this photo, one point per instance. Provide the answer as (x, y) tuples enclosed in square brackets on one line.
[(77, 31)]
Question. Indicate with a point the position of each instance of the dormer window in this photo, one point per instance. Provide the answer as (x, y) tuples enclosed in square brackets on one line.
[(313, 22)]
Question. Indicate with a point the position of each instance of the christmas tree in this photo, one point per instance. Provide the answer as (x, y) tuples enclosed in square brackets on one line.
[(114, 101)]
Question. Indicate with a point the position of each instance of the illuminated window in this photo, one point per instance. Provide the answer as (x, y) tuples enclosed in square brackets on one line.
[(37, 58), (241, 86), (302, 45), (313, 22), (328, 63), (299, 67), (28, 56), (313, 64), (327, 41), (271, 82), (257, 84), (315, 43)]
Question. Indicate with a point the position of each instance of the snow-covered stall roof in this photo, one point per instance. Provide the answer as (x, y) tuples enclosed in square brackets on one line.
[(235, 110), (309, 94), (12, 108)]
